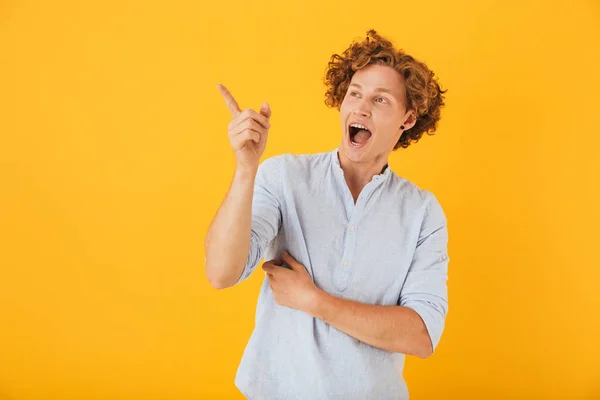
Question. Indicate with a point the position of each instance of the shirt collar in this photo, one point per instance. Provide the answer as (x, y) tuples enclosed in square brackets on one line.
[(335, 161)]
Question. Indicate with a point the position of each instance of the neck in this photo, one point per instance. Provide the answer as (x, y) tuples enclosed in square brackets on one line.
[(359, 174)]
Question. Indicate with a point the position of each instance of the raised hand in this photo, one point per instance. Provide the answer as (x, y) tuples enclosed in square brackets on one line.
[(248, 131)]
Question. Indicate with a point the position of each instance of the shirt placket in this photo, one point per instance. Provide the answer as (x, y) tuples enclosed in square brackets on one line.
[(342, 271)]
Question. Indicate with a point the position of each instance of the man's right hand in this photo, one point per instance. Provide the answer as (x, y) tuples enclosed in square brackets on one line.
[(248, 131)]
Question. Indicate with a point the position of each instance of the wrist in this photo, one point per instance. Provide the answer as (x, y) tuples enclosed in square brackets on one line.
[(315, 306), (245, 172)]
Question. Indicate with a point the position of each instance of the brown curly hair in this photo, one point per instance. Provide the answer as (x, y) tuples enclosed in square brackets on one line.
[(423, 93)]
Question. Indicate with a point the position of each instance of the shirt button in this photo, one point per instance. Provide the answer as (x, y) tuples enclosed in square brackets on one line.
[(352, 228), (444, 257), (346, 263)]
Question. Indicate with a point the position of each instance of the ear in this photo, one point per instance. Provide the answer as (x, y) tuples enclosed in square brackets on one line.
[(410, 119)]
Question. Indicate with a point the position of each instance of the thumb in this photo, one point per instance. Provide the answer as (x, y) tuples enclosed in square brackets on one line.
[(265, 110)]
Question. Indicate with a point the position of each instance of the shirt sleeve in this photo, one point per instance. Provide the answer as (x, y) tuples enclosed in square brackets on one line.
[(425, 289), (266, 212)]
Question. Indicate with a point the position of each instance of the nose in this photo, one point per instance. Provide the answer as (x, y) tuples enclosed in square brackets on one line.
[(363, 108)]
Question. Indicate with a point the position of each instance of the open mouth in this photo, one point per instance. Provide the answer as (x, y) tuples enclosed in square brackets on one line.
[(358, 135)]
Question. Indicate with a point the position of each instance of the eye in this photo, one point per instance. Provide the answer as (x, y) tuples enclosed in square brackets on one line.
[(353, 93), (381, 98)]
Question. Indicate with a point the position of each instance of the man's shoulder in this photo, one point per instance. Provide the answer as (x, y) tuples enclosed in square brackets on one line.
[(410, 190), (298, 162)]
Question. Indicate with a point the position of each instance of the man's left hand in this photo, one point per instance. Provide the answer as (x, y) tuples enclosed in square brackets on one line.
[(291, 287)]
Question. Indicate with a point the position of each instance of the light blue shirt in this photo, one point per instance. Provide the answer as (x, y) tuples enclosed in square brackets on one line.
[(390, 248)]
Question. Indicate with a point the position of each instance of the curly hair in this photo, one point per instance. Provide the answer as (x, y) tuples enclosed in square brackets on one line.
[(423, 93)]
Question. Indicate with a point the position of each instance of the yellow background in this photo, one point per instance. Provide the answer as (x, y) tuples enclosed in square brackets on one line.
[(114, 158)]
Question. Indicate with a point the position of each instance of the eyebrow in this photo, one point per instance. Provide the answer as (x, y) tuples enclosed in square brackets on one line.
[(379, 89)]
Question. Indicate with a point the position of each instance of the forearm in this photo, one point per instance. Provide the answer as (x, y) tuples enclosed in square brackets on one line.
[(228, 239), (394, 328)]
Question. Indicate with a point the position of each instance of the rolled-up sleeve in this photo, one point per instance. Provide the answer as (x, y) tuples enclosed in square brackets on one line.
[(425, 289), (266, 212)]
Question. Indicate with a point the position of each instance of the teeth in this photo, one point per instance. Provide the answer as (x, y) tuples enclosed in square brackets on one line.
[(360, 126)]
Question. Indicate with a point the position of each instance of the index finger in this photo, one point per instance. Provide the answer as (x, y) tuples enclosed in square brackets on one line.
[(229, 100)]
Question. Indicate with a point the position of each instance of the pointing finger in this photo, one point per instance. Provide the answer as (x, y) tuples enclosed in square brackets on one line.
[(232, 105)]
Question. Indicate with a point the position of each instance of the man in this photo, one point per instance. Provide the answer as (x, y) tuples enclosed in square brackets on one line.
[(358, 255)]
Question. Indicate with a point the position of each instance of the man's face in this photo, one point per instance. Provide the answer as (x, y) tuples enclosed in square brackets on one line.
[(375, 99)]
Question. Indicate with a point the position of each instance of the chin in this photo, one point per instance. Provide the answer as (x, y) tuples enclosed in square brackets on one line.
[(356, 154)]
